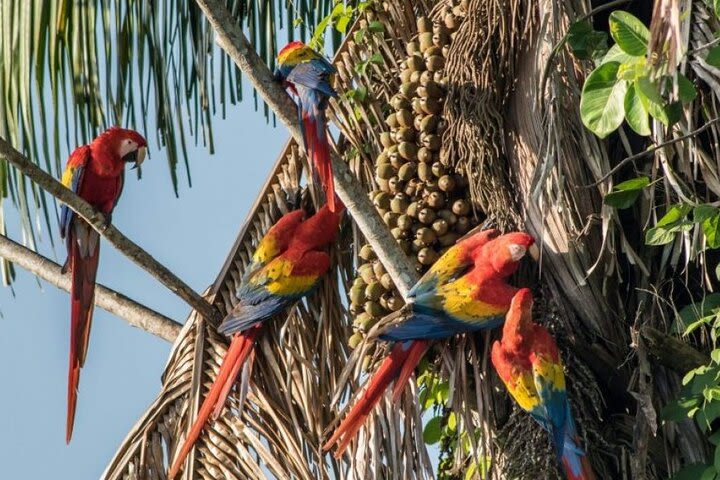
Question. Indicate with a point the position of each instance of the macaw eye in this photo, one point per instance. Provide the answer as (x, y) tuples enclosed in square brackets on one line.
[(516, 251)]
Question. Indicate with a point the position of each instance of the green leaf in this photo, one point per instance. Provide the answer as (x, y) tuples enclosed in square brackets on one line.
[(633, 70), (686, 89), (717, 271), (601, 103), (703, 212), (624, 194), (376, 27), (376, 59), (585, 42), (713, 57), (636, 114), (716, 459), (702, 311), (709, 473), (711, 229), (629, 33), (653, 101), (432, 430), (677, 411), (470, 472), (690, 472), (715, 438), (658, 236), (359, 35), (452, 421), (675, 214), (616, 54)]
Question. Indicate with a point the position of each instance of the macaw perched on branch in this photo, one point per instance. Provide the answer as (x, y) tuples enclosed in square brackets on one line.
[(286, 266), (528, 362), (464, 291), (95, 172), (309, 76)]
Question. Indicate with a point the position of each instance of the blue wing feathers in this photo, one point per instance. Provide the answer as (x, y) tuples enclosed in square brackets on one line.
[(432, 325)]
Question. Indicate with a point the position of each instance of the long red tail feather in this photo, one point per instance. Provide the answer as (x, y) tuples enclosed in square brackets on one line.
[(81, 311), (317, 144), (416, 352), (240, 347), (399, 361)]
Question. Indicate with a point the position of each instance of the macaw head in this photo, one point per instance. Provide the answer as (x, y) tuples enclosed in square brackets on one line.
[(291, 55), (503, 254), (123, 144), (318, 230), (279, 236), (518, 320)]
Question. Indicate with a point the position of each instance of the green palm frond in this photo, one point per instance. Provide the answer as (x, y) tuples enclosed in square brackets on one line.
[(71, 68)]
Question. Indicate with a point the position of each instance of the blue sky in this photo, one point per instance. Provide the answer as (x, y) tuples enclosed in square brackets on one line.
[(191, 235)]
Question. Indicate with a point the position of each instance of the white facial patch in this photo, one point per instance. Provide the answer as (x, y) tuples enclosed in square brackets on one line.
[(517, 252), (126, 147)]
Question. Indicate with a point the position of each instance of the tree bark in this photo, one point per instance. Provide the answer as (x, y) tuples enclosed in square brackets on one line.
[(97, 220), (233, 41), (114, 302)]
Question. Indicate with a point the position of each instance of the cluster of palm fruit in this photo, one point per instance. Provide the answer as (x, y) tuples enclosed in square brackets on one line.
[(421, 199)]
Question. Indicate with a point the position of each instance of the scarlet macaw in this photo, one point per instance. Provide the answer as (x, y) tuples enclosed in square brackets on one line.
[(309, 76), (95, 172), (528, 362), (287, 265), (464, 291)]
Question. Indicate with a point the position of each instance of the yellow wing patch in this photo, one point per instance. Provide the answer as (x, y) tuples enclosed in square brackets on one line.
[(523, 390), (458, 301), (282, 282), (67, 177), (550, 372), (266, 250)]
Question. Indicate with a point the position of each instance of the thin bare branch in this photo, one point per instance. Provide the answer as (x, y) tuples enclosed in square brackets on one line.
[(231, 39), (126, 246), (114, 302)]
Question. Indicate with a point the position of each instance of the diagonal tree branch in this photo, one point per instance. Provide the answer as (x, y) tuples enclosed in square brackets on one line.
[(126, 246), (233, 41), (114, 302)]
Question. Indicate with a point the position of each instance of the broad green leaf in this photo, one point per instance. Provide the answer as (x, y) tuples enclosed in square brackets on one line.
[(585, 42), (690, 472), (677, 411), (601, 103), (432, 431), (686, 89), (713, 56), (674, 214), (624, 194), (629, 32), (715, 438), (376, 27), (658, 236), (709, 474), (633, 70), (616, 54), (716, 458), (703, 212), (470, 472), (377, 59), (711, 229), (635, 113), (702, 311), (717, 271), (359, 35), (452, 421), (654, 103)]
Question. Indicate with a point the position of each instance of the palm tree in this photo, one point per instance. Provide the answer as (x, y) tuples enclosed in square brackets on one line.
[(513, 137)]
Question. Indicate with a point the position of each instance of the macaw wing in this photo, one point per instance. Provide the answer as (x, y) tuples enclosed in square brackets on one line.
[(452, 265), (72, 179), (269, 246), (427, 324), (315, 74), (549, 381), (272, 288)]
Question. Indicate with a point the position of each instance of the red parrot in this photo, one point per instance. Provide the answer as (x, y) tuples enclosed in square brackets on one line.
[(528, 362), (464, 291), (286, 266), (95, 172), (309, 76)]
